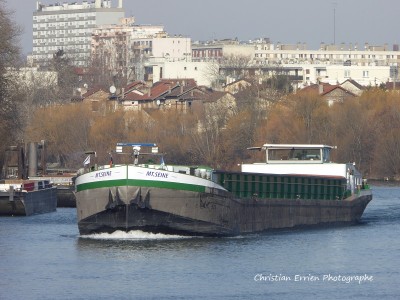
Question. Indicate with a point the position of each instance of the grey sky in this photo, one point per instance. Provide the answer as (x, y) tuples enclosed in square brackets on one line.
[(286, 21)]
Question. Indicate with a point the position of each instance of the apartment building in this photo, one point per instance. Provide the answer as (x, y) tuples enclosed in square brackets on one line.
[(167, 56), (132, 50), (201, 72), (215, 51), (369, 65), (69, 27), (122, 47), (348, 55)]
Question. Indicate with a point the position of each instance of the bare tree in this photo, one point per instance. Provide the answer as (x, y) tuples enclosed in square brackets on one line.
[(307, 107), (67, 79), (234, 66), (9, 55), (65, 128)]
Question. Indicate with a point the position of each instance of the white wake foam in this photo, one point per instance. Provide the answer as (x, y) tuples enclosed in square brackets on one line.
[(132, 235)]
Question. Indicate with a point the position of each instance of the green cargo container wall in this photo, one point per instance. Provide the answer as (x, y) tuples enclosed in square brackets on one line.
[(243, 185)]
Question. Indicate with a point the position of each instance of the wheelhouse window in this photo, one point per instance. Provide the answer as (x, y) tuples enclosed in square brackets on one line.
[(292, 155)]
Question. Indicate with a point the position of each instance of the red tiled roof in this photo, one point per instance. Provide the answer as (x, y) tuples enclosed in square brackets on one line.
[(185, 82), (158, 90), (336, 87), (92, 91), (330, 88), (316, 87), (180, 90), (214, 96), (133, 96), (326, 89), (133, 85), (193, 94)]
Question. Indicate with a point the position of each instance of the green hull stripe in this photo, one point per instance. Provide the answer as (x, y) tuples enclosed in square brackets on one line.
[(145, 183), (100, 184)]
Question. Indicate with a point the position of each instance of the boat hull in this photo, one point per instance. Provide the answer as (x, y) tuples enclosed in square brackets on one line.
[(197, 213), (26, 203)]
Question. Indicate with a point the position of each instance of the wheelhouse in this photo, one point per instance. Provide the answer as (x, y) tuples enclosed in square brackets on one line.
[(297, 153)]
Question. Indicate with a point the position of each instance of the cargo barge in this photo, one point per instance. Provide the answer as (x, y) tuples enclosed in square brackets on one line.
[(296, 185), (27, 197)]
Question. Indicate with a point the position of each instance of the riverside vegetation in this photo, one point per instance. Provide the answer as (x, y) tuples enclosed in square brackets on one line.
[(365, 129)]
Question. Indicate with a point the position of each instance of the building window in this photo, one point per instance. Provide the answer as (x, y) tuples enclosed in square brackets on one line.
[(347, 73), (365, 74)]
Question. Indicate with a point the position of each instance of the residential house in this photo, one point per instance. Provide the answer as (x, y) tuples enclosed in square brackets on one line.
[(218, 107), (331, 93), (237, 86), (138, 96), (178, 94), (99, 99), (352, 86), (337, 94), (161, 95)]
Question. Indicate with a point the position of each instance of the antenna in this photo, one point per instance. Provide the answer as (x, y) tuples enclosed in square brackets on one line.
[(334, 22)]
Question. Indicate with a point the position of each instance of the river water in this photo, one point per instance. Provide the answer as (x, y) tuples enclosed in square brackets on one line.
[(43, 257)]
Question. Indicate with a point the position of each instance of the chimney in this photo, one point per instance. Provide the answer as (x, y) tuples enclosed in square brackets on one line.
[(320, 88), (97, 4), (32, 162), (119, 3)]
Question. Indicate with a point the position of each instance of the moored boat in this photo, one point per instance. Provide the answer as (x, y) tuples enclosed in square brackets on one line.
[(27, 197), (65, 187), (296, 185), (21, 193)]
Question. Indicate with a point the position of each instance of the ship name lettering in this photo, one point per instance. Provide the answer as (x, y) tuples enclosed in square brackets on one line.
[(103, 174), (157, 174)]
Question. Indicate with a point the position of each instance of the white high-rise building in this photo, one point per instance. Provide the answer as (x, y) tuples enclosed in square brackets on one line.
[(68, 27)]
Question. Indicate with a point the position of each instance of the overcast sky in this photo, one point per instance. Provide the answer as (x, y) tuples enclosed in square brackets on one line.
[(286, 21)]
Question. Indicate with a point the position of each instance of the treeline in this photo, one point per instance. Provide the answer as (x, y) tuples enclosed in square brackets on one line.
[(366, 130)]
